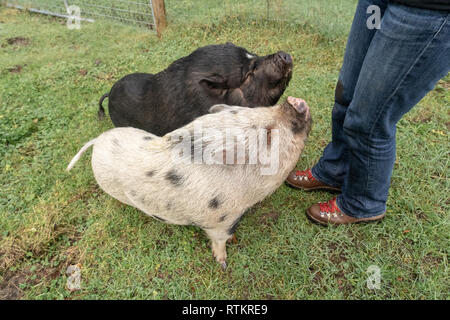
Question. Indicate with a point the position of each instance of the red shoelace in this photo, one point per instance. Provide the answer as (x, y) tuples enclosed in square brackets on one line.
[(305, 173), (329, 207)]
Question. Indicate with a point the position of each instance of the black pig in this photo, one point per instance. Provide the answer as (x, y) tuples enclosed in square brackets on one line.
[(214, 74)]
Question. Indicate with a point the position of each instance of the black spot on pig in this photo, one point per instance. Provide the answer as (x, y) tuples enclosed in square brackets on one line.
[(214, 74), (174, 178), (296, 127), (214, 203), (148, 138), (222, 218), (150, 173), (234, 111)]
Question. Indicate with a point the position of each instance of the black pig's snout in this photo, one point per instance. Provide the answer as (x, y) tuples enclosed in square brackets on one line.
[(284, 57), (283, 61)]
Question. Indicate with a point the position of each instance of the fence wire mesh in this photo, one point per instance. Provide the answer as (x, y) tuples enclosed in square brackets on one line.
[(136, 12), (331, 18)]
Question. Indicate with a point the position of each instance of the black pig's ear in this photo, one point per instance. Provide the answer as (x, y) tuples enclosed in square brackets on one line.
[(248, 69), (216, 85)]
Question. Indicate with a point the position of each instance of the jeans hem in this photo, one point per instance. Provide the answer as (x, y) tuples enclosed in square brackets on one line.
[(347, 212), (317, 176)]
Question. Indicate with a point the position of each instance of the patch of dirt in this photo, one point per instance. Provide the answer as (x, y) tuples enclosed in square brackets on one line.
[(317, 274), (167, 231), (16, 69), (10, 286), (14, 248), (18, 41), (10, 253), (338, 257), (317, 277), (83, 72), (163, 275), (333, 246), (433, 260), (430, 263), (421, 215), (423, 117), (343, 284), (160, 244), (84, 196), (29, 150), (269, 219)]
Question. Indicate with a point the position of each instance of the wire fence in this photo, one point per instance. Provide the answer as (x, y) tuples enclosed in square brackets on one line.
[(136, 12), (332, 18)]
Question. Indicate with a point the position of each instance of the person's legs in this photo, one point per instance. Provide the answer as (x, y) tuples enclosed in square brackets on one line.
[(405, 59), (333, 164)]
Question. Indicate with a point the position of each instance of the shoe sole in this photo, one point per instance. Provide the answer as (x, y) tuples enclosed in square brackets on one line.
[(332, 189), (325, 224)]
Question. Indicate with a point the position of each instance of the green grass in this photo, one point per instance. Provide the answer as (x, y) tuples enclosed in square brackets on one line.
[(50, 219)]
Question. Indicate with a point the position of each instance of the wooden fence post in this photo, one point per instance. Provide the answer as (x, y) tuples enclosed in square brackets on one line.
[(159, 11)]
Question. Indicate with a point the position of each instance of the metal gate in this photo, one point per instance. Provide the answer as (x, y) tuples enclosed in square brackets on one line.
[(136, 12)]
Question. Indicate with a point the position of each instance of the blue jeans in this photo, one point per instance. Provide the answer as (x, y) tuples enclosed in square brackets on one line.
[(385, 72)]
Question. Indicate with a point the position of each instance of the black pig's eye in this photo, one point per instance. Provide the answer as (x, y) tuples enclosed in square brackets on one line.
[(255, 66)]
